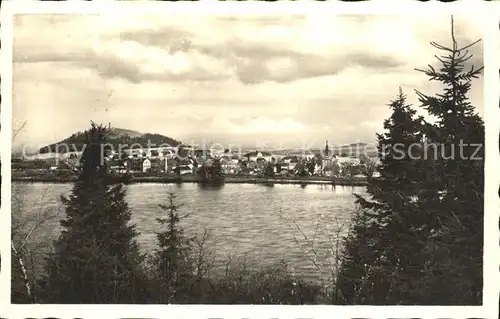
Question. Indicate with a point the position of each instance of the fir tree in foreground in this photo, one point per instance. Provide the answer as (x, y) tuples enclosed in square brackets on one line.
[(378, 249), (96, 257), (455, 249), (418, 238), (174, 268)]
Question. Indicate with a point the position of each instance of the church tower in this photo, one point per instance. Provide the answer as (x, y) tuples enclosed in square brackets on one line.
[(327, 151)]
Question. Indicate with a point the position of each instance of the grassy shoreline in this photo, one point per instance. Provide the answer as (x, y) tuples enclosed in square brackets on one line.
[(54, 178)]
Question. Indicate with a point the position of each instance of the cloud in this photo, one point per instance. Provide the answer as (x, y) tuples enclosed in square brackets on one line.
[(250, 50), (262, 54), (294, 66), (135, 63)]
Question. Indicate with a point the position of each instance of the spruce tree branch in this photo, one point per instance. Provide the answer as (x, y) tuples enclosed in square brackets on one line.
[(456, 218), (468, 46), (440, 47), (439, 59)]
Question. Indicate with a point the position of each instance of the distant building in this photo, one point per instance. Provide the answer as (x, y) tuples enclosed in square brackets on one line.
[(146, 165), (255, 155), (318, 169), (348, 160), (230, 167), (185, 169), (331, 167), (135, 153), (290, 159), (235, 159), (309, 156), (217, 153), (121, 169)]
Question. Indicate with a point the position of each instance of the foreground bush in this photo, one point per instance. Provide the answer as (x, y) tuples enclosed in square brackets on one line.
[(239, 282)]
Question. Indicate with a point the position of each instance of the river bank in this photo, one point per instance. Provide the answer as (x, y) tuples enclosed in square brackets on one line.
[(22, 176)]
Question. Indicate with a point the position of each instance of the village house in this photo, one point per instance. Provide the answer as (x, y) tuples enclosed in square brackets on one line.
[(230, 158), (135, 153), (256, 155), (117, 166), (166, 152), (349, 160), (318, 169), (229, 166), (146, 165), (217, 153), (376, 174), (290, 159), (133, 164), (185, 169)]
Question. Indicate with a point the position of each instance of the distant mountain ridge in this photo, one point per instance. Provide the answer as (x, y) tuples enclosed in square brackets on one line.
[(116, 137)]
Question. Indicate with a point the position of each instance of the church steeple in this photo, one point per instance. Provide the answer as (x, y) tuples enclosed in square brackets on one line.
[(327, 151)]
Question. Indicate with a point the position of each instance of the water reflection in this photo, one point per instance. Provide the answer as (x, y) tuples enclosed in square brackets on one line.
[(210, 187)]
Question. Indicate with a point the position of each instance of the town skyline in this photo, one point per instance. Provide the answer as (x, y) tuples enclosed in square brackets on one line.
[(268, 80)]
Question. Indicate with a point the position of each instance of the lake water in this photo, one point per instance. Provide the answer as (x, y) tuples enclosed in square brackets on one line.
[(243, 219)]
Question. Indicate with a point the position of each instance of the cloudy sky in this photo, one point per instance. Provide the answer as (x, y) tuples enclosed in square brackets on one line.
[(271, 80)]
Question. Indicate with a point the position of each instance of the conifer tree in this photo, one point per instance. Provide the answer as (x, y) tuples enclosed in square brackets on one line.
[(174, 268), (96, 257), (397, 148), (269, 170), (379, 248), (216, 173), (456, 276), (211, 174)]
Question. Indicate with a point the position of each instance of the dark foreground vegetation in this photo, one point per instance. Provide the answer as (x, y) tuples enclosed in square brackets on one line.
[(417, 239)]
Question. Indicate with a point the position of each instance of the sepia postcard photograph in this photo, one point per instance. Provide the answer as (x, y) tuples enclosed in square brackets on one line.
[(230, 158)]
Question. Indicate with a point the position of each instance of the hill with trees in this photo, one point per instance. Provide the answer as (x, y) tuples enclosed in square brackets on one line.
[(116, 137)]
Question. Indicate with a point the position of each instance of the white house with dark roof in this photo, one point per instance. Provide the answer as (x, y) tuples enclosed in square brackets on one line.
[(347, 160), (229, 166), (146, 165), (255, 155)]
